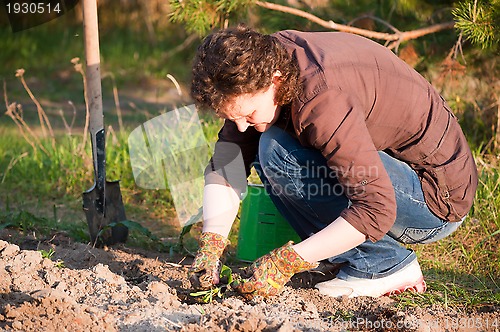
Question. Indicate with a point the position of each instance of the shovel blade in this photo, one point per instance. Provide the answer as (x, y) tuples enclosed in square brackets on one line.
[(114, 212)]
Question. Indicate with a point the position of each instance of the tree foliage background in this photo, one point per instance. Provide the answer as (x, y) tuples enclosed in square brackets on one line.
[(477, 20)]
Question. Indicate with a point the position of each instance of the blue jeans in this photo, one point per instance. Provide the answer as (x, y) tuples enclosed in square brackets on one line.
[(310, 197)]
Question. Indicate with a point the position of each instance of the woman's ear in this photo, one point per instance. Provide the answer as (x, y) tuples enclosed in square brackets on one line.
[(277, 76)]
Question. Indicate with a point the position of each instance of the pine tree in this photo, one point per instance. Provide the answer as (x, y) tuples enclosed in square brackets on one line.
[(479, 21), (201, 16)]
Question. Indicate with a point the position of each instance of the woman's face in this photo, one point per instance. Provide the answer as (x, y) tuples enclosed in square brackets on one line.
[(257, 110)]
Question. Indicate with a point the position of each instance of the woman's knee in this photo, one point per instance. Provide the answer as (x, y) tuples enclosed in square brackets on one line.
[(272, 148)]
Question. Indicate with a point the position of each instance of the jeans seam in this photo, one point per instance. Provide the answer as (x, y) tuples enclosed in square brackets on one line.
[(296, 188), (433, 232), (422, 202)]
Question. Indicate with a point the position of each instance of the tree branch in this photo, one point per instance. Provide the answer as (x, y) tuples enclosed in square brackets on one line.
[(387, 24), (394, 39)]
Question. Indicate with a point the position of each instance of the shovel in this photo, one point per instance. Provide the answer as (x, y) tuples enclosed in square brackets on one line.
[(102, 203)]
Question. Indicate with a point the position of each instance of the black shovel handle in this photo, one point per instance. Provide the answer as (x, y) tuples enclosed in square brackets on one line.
[(94, 99)]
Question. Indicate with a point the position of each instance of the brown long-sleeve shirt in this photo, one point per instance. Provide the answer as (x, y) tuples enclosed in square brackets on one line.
[(359, 98)]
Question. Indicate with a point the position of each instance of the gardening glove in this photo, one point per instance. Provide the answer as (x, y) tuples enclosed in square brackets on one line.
[(206, 267), (271, 272)]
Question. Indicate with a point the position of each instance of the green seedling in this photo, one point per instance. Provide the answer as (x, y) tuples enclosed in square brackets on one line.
[(342, 315), (207, 296), (226, 277), (47, 254), (59, 264)]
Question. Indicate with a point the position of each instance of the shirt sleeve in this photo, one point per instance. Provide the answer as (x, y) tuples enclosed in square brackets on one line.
[(233, 156), (333, 124)]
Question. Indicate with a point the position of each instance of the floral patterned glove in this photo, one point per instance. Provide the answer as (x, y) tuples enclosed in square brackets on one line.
[(271, 272), (205, 270)]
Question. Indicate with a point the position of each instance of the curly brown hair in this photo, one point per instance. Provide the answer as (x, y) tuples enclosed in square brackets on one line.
[(239, 60)]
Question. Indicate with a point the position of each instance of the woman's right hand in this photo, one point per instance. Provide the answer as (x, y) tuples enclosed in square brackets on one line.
[(205, 269)]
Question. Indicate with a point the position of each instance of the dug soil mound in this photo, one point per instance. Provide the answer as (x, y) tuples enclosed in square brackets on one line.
[(81, 288)]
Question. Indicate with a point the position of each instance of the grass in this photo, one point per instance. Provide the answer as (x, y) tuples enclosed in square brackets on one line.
[(47, 50), (39, 226), (65, 173), (463, 270), (58, 167), (453, 290)]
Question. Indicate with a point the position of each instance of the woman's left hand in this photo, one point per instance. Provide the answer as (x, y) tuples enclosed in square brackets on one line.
[(271, 272)]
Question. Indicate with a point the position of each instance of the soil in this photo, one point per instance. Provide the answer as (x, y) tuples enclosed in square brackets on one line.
[(125, 289)]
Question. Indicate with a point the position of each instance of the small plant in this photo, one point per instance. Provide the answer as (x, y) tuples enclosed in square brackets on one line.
[(207, 296), (342, 315), (47, 254), (59, 264)]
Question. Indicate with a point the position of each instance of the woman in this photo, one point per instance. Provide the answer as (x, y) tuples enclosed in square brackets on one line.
[(356, 149)]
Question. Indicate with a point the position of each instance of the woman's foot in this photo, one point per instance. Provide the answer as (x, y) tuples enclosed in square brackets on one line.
[(408, 278)]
